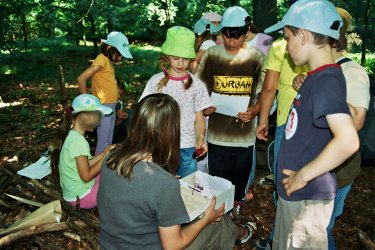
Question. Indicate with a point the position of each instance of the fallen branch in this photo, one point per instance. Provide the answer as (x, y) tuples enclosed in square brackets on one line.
[(366, 241), (53, 227), (40, 190)]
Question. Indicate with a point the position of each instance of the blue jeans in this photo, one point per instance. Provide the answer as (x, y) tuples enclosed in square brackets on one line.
[(251, 179), (105, 130), (338, 208), (276, 147), (188, 164)]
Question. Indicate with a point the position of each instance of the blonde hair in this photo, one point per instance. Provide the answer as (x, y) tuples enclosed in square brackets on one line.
[(164, 64)]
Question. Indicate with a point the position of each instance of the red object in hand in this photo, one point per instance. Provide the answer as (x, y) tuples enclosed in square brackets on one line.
[(198, 152)]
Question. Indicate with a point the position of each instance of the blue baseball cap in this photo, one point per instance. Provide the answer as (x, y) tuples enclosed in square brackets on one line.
[(87, 102), (234, 17), (319, 16), (204, 24), (120, 42)]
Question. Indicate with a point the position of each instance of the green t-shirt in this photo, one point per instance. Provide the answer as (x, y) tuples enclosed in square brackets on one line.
[(71, 183), (279, 60)]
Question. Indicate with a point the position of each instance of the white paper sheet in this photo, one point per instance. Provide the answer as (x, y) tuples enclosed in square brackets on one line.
[(37, 170), (230, 105)]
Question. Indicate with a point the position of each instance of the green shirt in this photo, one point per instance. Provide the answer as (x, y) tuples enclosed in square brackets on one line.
[(71, 183), (279, 60)]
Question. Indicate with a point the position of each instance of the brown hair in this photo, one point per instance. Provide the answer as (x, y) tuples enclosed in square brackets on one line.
[(319, 39), (164, 61), (111, 52), (64, 128), (200, 39), (154, 131)]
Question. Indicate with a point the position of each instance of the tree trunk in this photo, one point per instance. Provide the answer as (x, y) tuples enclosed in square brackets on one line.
[(93, 33), (264, 13), (364, 36), (24, 25)]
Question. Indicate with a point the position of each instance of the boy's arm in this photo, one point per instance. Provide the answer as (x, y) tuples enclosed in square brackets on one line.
[(344, 143), (266, 99), (85, 75), (359, 116)]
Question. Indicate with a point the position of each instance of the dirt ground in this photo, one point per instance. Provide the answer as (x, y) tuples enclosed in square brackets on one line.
[(28, 120)]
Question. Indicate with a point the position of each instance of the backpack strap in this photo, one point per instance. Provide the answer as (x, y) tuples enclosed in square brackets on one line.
[(344, 60)]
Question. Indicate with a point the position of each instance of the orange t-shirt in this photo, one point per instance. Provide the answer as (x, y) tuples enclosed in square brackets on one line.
[(104, 84)]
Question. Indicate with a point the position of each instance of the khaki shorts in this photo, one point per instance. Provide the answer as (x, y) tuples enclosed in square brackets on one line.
[(302, 224), (218, 236)]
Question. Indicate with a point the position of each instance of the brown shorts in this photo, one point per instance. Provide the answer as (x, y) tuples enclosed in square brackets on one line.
[(220, 235)]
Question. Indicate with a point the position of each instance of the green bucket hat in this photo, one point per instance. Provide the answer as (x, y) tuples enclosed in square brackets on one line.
[(179, 42)]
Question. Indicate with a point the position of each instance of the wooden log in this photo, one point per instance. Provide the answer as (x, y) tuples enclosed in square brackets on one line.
[(46, 228)]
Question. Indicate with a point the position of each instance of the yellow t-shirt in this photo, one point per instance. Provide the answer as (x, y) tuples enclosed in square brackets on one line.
[(104, 84), (279, 60)]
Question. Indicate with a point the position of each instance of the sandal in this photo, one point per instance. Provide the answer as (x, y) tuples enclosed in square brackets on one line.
[(250, 230)]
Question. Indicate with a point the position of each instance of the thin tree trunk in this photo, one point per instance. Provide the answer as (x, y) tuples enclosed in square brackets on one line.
[(364, 37), (93, 33), (264, 13)]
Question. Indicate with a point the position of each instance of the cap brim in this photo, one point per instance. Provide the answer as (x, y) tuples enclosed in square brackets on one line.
[(280, 25), (125, 52), (105, 110), (216, 29)]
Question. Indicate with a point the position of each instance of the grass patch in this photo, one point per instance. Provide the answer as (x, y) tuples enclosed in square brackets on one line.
[(40, 63)]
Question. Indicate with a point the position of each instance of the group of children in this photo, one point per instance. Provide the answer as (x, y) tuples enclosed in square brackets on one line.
[(318, 116)]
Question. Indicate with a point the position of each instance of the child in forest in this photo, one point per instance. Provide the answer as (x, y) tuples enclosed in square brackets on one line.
[(72, 162), (189, 92), (232, 70), (319, 135), (358, 98), (104, 84)]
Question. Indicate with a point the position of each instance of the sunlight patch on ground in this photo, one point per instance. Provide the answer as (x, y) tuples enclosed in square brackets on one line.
[(8, 104)]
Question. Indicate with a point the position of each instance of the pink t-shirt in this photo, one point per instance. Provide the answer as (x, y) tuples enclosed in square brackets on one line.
[(194, 99)]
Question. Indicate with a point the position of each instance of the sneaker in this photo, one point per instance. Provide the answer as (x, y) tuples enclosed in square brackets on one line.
[(251, 227), (265, 244)]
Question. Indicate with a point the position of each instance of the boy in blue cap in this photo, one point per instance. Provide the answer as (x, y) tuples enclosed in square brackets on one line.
[(319, 135), (232, 70)]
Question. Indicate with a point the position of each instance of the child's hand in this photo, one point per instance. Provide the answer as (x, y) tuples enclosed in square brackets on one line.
[(200, 143), (122, 115), (262, 131), (109, 148), (298, 81), (208, 111), (293, 182), (211, 215), (247, 116)]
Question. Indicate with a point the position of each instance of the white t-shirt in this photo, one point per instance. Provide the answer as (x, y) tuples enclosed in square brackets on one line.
[(207, 44), (357, 84), (194, 99)]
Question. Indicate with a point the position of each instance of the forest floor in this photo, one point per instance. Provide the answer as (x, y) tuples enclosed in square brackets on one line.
[(30, 111)]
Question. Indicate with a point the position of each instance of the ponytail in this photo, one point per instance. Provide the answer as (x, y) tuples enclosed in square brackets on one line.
[(200, 39), (164, 81), (62, 133), (250, 25)]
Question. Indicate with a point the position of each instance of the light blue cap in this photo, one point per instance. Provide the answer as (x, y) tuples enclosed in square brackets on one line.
[(87, 102), (120, 42), (234, 17), (317, 16), (204, 24)]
